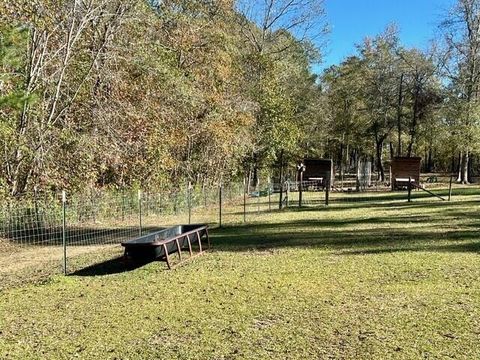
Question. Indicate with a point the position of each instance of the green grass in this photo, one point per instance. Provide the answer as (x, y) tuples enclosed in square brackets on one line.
[(374, 279)]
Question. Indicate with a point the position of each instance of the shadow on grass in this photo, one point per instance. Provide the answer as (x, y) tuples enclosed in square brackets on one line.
[(387, 206), (432, 232), (109, 267)]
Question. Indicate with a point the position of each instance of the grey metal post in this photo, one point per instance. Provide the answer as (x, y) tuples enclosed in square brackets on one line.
[(280, 206), (450, 188), (409, 189), (64, 231), (140, 212), (123, 206), (300, 190), (287, 198), (220, 195), (189, 199), (175, 202), (204, 192), (244, 201), (269, 195), (93, 203), (258, 198), (327, 191)]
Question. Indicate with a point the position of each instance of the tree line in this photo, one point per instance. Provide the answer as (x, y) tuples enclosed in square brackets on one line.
[(122, 93)]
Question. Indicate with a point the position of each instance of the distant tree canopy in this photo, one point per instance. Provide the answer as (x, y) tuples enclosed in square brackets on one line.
[(119, 93)]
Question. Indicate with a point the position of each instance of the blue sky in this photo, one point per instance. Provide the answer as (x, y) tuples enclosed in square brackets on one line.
[(353, 20)]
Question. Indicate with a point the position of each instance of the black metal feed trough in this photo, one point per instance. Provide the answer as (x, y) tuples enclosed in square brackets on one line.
[(161, 244)]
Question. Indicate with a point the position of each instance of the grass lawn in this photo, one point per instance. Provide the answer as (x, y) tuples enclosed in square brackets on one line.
[(373, 279)]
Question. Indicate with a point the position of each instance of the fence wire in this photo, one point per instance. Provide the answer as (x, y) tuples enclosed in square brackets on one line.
[(32, 230)]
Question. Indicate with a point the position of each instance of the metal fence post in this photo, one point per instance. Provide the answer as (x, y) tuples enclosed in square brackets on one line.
[(258, 198), (300, 189), (140, 212), (327, 191), (189, 200), (269, 195), (244, 201), (204, 195), (175, 202), (409, 189), (450, 188), (287, 197), (64, 231), (123, 205), (220, 195)]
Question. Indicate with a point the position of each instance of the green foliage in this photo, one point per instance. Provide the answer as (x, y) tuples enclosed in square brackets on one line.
[(175, 96), (157, 93)]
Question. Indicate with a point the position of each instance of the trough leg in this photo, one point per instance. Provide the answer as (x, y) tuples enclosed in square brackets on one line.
[(208, 238), (166, 256), (200, 244), (198, 237), (189, 245), (179, 249)]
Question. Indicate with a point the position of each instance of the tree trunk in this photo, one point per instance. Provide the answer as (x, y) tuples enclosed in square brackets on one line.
[(459, 168), (379, 145), (463, 176), (399, 117), (465, 162), (470, 167), (255, 169), (413, 128), (341, 160), (430, 160)]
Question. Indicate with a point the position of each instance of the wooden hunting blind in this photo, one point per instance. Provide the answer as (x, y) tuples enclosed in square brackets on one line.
[(403, 169), (319, 170)]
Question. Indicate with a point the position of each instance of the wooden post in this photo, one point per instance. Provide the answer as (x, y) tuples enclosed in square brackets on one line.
[(409, 189), (450, 188)]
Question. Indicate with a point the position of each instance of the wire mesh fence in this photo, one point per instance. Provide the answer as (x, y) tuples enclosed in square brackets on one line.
[(54, 232)]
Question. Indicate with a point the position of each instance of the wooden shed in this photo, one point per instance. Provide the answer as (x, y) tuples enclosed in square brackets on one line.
[(403, 168), (319, 170)]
